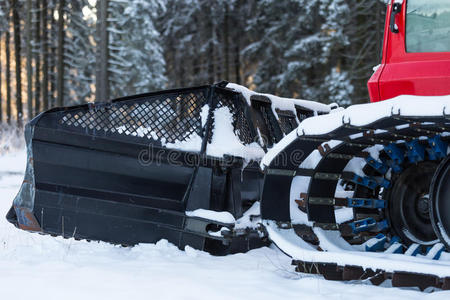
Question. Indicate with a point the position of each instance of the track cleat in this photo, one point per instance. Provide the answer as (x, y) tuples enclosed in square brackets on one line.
[(416, 151), (380, 167), (395, 153), (366, 203), (362, 225), (369, 182), (376, 243), (435, 251), (396, 248), (413, 250), (438, 148)]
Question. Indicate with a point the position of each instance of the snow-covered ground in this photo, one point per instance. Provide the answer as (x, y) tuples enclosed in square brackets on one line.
[(40, 267)]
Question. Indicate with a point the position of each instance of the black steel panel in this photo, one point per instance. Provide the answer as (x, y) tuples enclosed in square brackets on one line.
[(275, 198)]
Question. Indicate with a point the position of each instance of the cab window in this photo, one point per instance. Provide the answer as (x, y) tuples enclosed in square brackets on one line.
[(428, 26)]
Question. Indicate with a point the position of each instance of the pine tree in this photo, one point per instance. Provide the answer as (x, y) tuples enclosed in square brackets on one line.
[(336, 15), (200, 38), (37, 56), (45, 42), (294, 54), (181, 41), (52, 58), (60, 55), (364, 29), (136, 57), (79, 53), (101, 72), (3, 28), (8, 63), (16, 6), (28, 56)]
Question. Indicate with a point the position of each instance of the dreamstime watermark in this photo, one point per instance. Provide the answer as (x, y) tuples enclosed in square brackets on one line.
[(158, 156), (155, 155)]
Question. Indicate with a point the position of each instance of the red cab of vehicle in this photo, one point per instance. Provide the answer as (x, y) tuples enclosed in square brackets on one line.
[(416, 51)]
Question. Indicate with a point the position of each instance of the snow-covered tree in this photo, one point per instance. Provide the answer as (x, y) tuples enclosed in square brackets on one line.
[(339, 87), (79, 53), (296, 52), (136, 57), (364, 29)]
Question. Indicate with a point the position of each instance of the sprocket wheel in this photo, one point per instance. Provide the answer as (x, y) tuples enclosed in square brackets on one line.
[(408, 204)]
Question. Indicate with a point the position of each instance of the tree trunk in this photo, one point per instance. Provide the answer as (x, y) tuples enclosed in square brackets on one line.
[(17, 50), (379, 27), (196, 62), (44, 22), (226, 40), (210, 55), (237, 15), (52, 61), (37, 58), (237, 68), (102, 80), (8, 69), (218, 53), (172, 59), (60, 54), (29, 62)]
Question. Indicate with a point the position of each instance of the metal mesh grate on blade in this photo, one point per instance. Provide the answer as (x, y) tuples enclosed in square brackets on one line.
[(287, 124), (303, 114), (165, 117), (240, 122)]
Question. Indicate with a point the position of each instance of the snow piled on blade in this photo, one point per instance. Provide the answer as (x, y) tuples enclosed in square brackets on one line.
[(364, 114), (192, 144), (224, 140), (251, 217), (219, 216), (279, 102)]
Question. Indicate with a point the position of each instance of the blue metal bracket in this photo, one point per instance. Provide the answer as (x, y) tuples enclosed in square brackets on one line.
[(363, 225), (378, 166), (416, 151), (438, 148), (395, 153), (370, 182), (366, 203)]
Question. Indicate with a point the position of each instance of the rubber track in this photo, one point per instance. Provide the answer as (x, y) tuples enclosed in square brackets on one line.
[(354, 139)]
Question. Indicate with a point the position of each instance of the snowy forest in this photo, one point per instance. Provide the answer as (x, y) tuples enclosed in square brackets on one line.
[(67, 52)]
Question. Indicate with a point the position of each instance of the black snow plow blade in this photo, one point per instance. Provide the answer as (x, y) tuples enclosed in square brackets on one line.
[(139, 169)]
